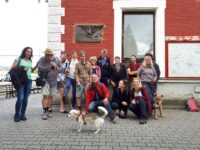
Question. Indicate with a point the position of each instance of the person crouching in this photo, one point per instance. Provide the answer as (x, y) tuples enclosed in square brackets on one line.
[(97, 95), (140, 102)]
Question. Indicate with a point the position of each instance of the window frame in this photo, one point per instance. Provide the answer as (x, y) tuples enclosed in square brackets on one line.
[(125, 60)]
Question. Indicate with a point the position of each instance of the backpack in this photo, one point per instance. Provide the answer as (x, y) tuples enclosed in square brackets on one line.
[(191, 104), (92, 86)]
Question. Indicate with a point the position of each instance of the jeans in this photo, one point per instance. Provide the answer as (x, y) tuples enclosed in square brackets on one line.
[(151, 88), (22, 98), (139, 109), (93, 107), (71, 82), (104, 80)]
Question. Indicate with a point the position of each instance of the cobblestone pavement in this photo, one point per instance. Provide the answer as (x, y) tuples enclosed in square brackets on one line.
[(179, 130)]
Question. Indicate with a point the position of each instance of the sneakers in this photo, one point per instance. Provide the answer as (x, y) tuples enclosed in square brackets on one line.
[(114, 119), (142, 121), (16, 118), (23, 118), (49, 115), (44, 116)]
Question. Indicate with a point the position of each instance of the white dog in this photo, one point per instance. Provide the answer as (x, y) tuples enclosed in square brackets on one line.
[(82, 118)]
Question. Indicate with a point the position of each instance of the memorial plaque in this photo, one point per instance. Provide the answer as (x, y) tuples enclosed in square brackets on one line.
[(88, 33)]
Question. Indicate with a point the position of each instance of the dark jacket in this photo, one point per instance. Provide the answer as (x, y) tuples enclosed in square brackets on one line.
[(105, 69), (157, 68), (119, 97), (117, 76), (18, 76)]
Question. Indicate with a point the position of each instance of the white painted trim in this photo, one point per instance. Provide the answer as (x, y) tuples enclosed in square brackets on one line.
[(182, 38), (178, 81), (55, 29), (156, 5)]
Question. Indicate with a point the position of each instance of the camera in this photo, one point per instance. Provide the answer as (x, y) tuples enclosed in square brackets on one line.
[(92, 86)]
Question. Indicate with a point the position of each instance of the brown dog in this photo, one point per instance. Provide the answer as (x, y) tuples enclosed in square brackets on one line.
[(158, 98)]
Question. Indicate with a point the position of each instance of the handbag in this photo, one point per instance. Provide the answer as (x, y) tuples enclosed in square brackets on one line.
[(40, 81)]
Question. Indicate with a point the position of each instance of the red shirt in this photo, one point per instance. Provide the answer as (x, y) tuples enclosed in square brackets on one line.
[(133, 67)]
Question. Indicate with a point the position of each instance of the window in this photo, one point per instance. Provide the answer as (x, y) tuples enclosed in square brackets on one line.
[(138, 34)]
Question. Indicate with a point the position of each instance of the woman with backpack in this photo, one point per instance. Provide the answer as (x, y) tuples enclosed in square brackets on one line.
[(22, 66)]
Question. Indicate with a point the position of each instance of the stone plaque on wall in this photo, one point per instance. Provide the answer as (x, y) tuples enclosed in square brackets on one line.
[(88, 33)]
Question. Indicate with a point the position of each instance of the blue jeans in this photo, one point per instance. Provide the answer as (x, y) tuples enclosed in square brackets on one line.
[(93, 107), (104, 80), (22, 98), (71, 82), (151, 88), (139, 109)]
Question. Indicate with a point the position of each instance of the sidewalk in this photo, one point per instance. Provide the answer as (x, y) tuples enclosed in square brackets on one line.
[(179, 130)]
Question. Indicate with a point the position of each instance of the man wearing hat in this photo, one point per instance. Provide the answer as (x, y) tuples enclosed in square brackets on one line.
[(49, 67), (83, 73)]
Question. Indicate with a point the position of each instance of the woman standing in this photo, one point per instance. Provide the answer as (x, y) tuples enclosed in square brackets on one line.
[(148, 76), (25, 63)]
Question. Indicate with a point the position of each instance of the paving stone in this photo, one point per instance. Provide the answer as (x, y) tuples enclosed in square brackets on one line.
[(179, 130)]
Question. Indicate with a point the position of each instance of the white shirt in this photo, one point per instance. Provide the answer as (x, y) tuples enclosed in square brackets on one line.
[(61, 76), (139, 93), (71, 68)]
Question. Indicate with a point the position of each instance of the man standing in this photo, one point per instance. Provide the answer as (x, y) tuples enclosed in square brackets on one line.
[(97, 94), (49, 66), (83, 71), (132, 68), (104, 63)]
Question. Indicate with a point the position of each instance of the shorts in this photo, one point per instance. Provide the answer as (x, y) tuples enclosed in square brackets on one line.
[(48, 91), (80, 90)]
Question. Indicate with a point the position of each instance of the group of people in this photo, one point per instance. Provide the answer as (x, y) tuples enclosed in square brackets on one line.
[(133, 86)]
